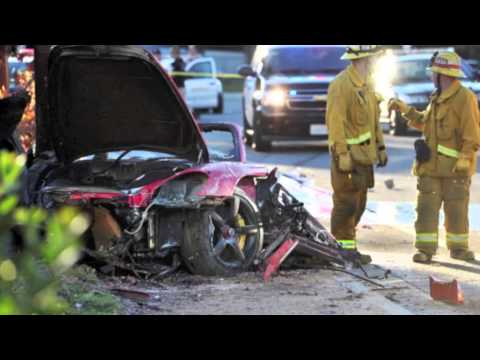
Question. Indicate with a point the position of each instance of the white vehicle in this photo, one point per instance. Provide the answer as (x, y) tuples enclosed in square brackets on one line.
[(203, 90), (411, 82)]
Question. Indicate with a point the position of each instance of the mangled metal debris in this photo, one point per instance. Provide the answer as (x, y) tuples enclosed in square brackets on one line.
[(157, 194), (291, 228), (287, 226)]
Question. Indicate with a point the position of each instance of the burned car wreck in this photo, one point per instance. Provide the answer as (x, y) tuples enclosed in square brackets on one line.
[(119, 142)]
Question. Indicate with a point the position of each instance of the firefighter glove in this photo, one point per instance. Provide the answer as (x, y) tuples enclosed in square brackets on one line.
[(382, 158), (397, 105), (463, 164), (345, 163)]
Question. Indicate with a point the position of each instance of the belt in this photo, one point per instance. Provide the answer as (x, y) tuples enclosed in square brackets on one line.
[(361, 140), (366, 143)]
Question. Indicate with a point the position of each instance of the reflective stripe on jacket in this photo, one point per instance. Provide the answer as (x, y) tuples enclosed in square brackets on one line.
[(451, 125), (353, 115)]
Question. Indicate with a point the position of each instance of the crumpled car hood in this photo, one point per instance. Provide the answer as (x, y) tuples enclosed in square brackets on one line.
[(111, 98)]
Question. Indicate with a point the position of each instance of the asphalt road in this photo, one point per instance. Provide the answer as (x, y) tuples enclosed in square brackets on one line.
[(313, 157), (387, 233), (314, 161)]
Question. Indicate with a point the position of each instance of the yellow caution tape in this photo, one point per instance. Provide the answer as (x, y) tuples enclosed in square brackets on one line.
[(206, 75)]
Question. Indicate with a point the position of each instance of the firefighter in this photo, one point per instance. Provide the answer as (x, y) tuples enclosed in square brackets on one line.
[(446, 158), (355, 140)]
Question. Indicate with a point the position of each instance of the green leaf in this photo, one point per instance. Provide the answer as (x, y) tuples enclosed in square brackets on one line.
[(8, 306), (31, 216), (11, 167), (8, 204), (8, 271), (55, 243)]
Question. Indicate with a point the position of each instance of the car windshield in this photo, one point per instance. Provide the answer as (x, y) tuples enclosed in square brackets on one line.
[(141, 155), (304, 60), (413, 71), (221, 145)]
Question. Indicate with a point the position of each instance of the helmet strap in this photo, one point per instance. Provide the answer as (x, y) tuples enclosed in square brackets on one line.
[(436, 76), (437, 82)]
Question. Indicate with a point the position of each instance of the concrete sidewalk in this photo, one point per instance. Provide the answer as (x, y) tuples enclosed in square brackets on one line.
[(392, 248)]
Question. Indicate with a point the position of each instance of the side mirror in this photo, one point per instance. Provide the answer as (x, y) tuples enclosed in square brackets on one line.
[(224, 142), (246, 71)]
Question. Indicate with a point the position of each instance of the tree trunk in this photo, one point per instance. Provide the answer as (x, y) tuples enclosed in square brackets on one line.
[(41, 109), (4, 70)]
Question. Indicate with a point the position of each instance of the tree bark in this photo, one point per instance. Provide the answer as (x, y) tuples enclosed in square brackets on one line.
[(4, 50), (41, 108)]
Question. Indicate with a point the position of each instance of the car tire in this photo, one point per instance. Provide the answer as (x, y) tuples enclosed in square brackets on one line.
[(259, 143), (221, 104), (399, 126), (202, 237)]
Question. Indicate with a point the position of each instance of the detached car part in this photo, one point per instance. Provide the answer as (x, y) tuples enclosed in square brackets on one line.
[(290, 227)]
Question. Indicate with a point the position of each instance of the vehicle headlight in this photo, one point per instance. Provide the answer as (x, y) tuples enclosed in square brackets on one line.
[(275, 98), (179, 191), (258, 95)]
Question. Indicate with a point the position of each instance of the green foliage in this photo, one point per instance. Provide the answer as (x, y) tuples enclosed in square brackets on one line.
[(87, 300), (29, 279)]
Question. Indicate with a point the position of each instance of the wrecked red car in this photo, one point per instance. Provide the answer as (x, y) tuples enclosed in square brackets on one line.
[(123, 146), (115, 138)]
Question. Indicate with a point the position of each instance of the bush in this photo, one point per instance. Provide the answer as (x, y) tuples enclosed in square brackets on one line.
[(29, 279)]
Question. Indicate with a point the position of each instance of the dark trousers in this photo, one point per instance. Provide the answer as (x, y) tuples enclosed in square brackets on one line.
[(349, 202)]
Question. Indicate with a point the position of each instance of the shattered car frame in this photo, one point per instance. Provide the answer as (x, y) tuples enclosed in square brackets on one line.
[(116, 139), (122, 145)]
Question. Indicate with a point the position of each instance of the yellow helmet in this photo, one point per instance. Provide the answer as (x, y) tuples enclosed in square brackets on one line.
[(355, 52), (447, 63)]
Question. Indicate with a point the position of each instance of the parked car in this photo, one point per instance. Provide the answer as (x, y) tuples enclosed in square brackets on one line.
[(123, 147), (285, 93), (203, 90), (412, 83), (475, 64)]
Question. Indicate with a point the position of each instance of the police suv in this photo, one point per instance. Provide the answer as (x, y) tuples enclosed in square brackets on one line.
[(285, 93)]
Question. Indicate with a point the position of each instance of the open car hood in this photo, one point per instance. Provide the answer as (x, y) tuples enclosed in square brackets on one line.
[(111, 98)]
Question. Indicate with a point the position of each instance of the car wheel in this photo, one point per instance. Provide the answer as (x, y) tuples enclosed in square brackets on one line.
[(259, 143), (399, 126), (221, 103), (223, 241)]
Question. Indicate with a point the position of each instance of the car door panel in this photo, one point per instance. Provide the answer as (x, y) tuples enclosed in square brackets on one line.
[(202, 88)]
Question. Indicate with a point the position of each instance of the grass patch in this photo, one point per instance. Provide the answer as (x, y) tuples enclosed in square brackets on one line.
[(82, 290)]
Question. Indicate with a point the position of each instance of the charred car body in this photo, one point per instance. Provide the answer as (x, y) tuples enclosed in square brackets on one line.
[(117, 141)]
